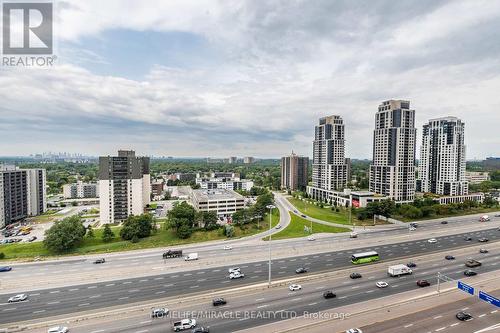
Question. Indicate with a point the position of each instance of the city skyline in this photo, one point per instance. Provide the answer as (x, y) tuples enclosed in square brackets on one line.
[(193, 81)]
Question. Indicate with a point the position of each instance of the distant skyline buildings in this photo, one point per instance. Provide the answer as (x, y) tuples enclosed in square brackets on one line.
[(294, 172)]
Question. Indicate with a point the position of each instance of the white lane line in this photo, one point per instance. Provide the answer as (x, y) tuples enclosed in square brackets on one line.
[(437, 317), (121, 298), (55, 302), (55, 291), (440, 329), (262, 306), (259, 299), (160, 292), (92, 287), (73, 289), (409, 325), (110, 284), (95, 296), (84, 304), (39, 311), (37, 294), (482, 315), (455, 324), (310, 304)]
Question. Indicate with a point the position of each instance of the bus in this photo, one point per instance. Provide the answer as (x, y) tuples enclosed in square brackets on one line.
[(365, 257)]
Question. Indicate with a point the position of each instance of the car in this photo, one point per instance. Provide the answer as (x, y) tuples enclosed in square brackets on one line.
[(411, 264), (100, 261), (353, 235), (18, 298), (329, 294), (233, 269), (228, 247), (414, 224), (304, 216), (449, 257), (354, 330), (432, 240), (311, 238), (412, 228), (355, 276), (301, 270), (236, 275), (159, 313), (423, 283), (483, 251), (58, 329), (464, 316), (277, 226), (482, 240), (295, 287), (444, 222), (467, 238), (184, 324), (5, 269), (201, 329), (470, 272), (218, 301), (382, 284), (497, 215), (472, 263), (32, 239), (295, 211)]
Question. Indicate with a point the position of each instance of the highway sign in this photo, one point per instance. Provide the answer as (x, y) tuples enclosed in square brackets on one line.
[(488, 298), (465, 287)]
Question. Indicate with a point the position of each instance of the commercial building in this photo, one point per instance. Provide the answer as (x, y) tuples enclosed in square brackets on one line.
[(442, 158), (392, 172), (157, 187), (22, 193), (476, 177), (294, 172), (223, 201), (329, 168), (124, 186), (223, 180), (80, 190)]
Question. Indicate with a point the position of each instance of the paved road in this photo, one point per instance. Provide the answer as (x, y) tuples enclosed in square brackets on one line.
[(249, 309), (56, 301), (442, 319)]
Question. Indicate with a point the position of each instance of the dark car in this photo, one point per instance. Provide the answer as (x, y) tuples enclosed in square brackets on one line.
[(472, 263), (411, 264), (329, 294), (483, 240), (100, 261), (464, 316), (355, 276), (219, 301), (303, 216), (5, 269), (444, 222), (423, 283), (483, 251), (414, 225), (470, 273), (467, 238), (449, 257), (159, 313), (201, 329), (301, 270)]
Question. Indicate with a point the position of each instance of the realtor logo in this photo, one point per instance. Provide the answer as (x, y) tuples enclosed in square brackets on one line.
[(27, 28)]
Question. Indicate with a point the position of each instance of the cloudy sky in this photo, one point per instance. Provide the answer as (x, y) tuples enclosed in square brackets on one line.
[(233, 78)]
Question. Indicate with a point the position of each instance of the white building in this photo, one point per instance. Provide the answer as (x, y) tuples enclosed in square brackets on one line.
[(224, 202), (80, 190), (392, 172), (442, 158), (124, 186), (248, 160), (476, 177), (223, 180)]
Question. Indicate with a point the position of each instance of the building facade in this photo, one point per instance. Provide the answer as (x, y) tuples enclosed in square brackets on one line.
[(476, 177), (222, 201), (223, 180), (294, 172), (124, 186), (442, 158), (248, 160), (80, 190), (392, 172)]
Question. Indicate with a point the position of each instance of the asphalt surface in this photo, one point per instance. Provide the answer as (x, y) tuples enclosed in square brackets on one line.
[(266, 306), (57, 301)]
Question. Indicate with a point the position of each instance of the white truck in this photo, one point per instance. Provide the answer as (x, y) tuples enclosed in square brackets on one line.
[(191, 256), (484, 218), (398, 270)]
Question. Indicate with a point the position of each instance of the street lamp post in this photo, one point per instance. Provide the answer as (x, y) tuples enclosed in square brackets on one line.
[(270, 207)]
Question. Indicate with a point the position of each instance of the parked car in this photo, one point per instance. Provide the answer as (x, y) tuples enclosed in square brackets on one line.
[(100, 261), (58, 329), (159, 313), (295, 287), (18, 298), (423, 283), (382, 284), (355, 275), (329, 294), (469, 273), (449, 257), (301, 270), (218, 301), (464, 316), (5, 269)]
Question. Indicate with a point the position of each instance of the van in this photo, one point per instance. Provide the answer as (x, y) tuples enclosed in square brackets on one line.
[(184, 324), (191, 256)]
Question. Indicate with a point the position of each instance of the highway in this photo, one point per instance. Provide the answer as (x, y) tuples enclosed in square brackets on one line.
[(57, 301), (279, 303)]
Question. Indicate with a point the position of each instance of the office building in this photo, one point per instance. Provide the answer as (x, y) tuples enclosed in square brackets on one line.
[(294, 174), (392, 172), (223, 201), (80, 190), (248, 160), (476, 177), (442, 158), (233, 160), (223, 180), (329, 169), (124, 186)]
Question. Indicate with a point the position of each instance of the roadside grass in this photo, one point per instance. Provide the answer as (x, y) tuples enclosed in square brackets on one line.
[(472, 211), (296, 229), (161, 238), (324, 214)]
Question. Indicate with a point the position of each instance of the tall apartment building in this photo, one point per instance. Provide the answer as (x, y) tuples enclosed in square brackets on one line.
[(80, 190), (248, 160), (124, 186), (294, 170), (442, 158), (329, 168), (392, 172), (22, 193)]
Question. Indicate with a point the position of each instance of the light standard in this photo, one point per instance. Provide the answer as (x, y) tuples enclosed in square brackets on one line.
[(270, 207)]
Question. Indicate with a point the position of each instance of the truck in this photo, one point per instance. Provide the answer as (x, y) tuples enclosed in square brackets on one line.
[(484, 218), (398, 270), (191, 256), (172, 254), (472, 263)]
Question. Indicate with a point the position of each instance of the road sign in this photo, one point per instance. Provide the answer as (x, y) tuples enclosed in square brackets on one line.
[(488, 298), (465, 287)]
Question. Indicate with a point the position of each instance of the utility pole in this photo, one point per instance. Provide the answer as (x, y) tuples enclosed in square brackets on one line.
[(270, 207)]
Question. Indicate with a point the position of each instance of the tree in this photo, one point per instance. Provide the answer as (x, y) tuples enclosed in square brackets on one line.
[(229, 231), (209, 220), (64, 235), (184, 231), (2, 255), (107, 234), (136, 227)]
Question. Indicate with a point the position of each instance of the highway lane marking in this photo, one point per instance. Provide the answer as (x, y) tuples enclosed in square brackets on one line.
[(440, 329), (296, 299), (262, 306), (281, 272), (97, 331), (121, 298), (175, 276), (201, 280), (133, 290), (168, 285), (55, 291), (143, 331), (37, 294), (56, 302), (92, 287), (409, 325), (187, 274), (9, 309), (369, 291), (482, 315), (73, 289), (127, 282), (311, 304), (84, 304), (95, 296), (455, 324), (110, 284), (192, 287), (437, 317), (494, 311), (159, 278), (145, 322), (39, 311), (143, 280)]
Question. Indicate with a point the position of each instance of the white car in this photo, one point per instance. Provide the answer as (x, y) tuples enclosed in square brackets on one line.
[(228, 247), (18, 298), (382, 284), (311, 238), (413, 228), (58, 329), (233, 269), (278, 226), (432, 240), (295, 287), (354, 330), (236, 275)]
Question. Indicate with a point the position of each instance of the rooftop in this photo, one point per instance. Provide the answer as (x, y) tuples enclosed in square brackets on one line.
[(215, 194)]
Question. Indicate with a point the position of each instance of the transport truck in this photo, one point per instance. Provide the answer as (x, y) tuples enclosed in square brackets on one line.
[(172, 254), (398, 270)]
